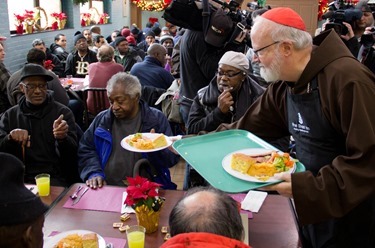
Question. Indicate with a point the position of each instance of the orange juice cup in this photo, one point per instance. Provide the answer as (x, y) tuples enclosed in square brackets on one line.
[(136, 236), (43, 184)]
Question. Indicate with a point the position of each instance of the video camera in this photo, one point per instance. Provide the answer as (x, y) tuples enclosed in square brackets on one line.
[(340, 16), (338, 13), (233, 10)]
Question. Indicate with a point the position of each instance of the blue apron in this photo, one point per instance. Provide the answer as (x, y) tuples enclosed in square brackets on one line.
[(317, 144)]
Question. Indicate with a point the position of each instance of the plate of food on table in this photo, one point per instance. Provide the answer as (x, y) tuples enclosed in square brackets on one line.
[(258, 164), (146, 142), (75, 238)]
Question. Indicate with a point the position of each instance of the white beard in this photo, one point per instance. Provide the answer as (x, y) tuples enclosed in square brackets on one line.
[(272, 73)]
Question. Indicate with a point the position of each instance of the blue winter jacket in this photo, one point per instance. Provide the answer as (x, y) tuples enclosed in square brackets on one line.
[(95, 146)]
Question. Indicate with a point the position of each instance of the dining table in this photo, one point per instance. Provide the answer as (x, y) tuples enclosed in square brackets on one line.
[(273, 226), (56, 192), (76, 84)]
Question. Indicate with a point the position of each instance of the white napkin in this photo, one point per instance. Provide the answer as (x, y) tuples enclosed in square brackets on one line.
[(124, 207), (253, 201), (33, 188), (86, 81)]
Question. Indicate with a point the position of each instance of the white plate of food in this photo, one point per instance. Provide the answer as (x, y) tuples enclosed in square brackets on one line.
[(72, 236), (146, 142), (258, 165)]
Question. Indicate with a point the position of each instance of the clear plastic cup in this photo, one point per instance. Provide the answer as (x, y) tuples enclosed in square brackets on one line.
[(136, 236), (43, 184)]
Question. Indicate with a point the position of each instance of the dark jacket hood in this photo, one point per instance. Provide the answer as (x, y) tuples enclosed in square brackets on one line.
[(320, 58)]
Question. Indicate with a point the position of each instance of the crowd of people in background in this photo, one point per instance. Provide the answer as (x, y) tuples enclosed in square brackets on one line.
[(327, 81)]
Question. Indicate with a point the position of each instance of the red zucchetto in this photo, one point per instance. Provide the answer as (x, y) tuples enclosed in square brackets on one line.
[(286, 17)]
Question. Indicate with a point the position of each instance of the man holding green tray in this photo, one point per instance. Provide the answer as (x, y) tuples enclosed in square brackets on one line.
[(324, 98)]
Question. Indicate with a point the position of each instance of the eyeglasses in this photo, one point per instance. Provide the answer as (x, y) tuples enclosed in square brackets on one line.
[(228, 74), (256, 52), (33, 86)]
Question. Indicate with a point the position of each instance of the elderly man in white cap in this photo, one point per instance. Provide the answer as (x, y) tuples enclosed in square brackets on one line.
[(324, 98)]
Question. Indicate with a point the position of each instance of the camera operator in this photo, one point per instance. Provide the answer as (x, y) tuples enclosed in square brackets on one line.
[(366, 53), (351, 24)]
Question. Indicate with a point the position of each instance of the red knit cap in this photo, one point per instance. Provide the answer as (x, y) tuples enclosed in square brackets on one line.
[(286, 17)]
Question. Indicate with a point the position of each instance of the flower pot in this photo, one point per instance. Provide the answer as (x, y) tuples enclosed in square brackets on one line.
[(29, 29), (55, 25), (19, 28), (62, 24), (147, 218)]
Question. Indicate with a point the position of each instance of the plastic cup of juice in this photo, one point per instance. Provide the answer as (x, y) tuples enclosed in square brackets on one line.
[(136, 236), (43, 184)]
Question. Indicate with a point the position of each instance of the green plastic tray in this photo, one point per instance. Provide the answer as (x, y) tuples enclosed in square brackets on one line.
[(206, 152)]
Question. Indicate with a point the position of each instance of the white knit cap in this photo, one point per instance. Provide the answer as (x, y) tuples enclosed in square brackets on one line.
[(235, 59)]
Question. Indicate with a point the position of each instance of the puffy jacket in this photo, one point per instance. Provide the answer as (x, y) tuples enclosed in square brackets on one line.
[(95, 146)]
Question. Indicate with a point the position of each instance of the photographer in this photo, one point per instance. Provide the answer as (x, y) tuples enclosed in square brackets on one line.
[(350, 23), (367, 51)]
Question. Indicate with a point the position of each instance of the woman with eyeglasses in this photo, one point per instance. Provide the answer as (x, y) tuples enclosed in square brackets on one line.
[(227, 97)]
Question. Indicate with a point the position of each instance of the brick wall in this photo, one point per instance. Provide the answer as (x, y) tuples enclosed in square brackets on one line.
[(17, 46)]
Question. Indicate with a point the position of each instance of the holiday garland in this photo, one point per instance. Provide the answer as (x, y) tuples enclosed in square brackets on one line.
[(152, 5)]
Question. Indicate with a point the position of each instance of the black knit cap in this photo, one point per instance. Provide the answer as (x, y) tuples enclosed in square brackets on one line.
[(119, 39), (78, 37), (18, 204), (134, 30), (150, 33)]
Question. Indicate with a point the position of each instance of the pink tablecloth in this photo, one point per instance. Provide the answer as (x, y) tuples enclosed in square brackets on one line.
[(239, 198), (101, 199)]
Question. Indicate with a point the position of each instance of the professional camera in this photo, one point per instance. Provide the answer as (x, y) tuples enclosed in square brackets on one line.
[(253, 6), (343, 15), (233, 5)]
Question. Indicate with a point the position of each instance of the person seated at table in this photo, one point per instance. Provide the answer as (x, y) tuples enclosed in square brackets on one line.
[(224, 100), (151, 71), (100, 72), (227, 97), (149, 40), (206, 217), (125, 54), (40, 131), (36, 56), (21, 211), (59, 47), (78, 61), (98, 41), (4, 77), (101, 159), (89, 37), (58, 67)]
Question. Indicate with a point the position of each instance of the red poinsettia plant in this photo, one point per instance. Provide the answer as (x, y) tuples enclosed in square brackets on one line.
[(141, 192), (59, 16), (19, 18), (103, 18)]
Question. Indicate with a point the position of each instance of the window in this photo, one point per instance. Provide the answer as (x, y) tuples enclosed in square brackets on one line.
[(92, 11), (41, 8)]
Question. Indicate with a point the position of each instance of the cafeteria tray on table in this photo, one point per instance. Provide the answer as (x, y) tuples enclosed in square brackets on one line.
[(206, 152)]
